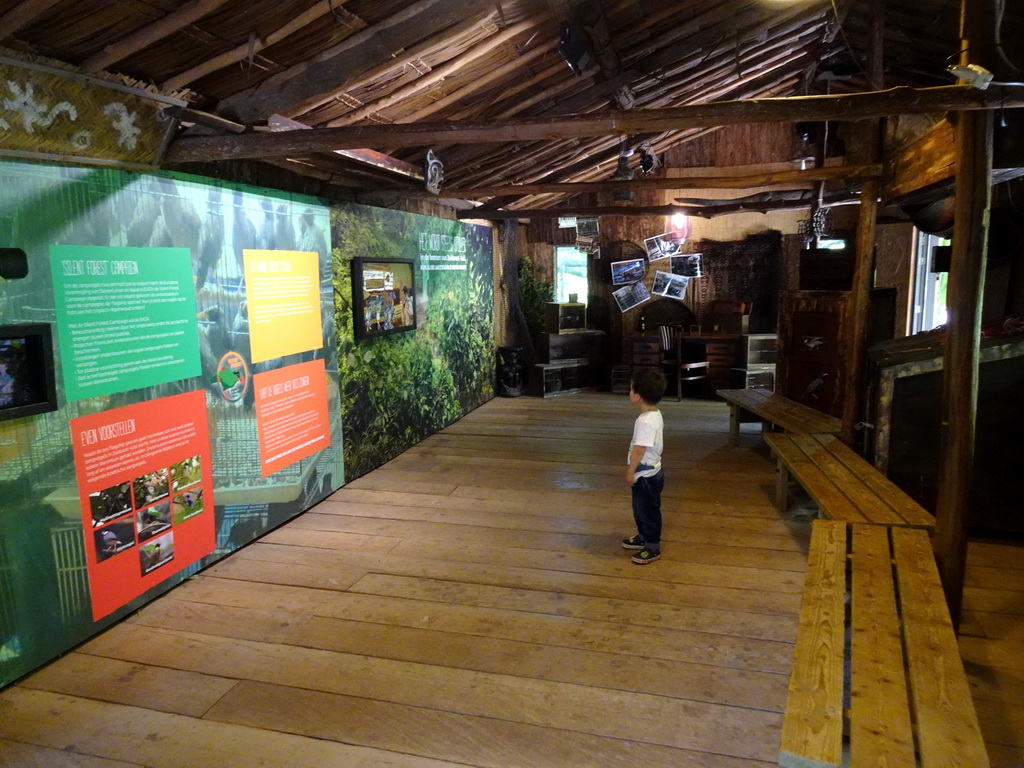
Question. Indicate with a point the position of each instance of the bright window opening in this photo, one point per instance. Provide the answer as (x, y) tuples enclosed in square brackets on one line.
[(570, 274), (929, 285)]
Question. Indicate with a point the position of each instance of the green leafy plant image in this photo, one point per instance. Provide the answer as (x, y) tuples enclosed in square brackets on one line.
[(398, 389), (534, 294)]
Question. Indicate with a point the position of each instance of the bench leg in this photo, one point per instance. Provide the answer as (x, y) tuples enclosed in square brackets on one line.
[(782, 488), (734, 424)]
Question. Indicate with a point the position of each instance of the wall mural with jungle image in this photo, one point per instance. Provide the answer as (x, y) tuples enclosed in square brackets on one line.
[(197, 400), (401, 387)]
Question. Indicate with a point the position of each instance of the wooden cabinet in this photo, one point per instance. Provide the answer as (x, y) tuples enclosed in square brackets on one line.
[(645, 352), (811, 356), (571, 362), (722, 354)]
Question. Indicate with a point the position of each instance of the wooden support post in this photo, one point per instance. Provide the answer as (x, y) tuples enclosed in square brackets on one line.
[(964, 296), (960, 361), (857, 328)]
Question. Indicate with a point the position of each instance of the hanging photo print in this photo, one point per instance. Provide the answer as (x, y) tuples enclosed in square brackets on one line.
[(628, 271), (664, 245), (687, 266), (667, 284), (631, 296)]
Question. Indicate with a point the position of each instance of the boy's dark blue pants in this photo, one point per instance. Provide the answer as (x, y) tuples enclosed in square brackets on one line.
[(647, 508)]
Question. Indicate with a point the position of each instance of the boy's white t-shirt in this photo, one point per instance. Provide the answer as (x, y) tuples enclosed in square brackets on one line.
[(648, 431)]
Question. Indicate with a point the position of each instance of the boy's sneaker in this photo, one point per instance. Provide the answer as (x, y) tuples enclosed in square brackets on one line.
[(645, 556), (633, 542)]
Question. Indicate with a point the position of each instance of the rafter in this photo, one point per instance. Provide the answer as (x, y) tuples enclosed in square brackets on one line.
[(440, 73), (857, 106), (241, 52), (149, 34), (690, 181), (305, 85)]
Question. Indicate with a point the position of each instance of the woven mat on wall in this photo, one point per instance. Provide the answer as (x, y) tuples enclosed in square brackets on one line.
[(741, 270)]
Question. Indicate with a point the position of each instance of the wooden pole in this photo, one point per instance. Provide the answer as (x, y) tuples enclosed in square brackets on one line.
[(855, 106), (965, 292), (864, 269)]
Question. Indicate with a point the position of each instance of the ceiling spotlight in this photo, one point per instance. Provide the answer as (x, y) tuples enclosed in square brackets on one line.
[(973, 75)]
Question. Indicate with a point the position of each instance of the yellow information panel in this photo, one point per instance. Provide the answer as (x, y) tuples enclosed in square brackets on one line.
[(283, 290)]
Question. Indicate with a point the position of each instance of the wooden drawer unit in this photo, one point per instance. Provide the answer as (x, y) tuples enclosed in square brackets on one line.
[(645, 352), (722, 358)]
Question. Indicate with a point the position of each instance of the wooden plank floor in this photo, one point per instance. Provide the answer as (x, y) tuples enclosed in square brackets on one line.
[(468, 604)]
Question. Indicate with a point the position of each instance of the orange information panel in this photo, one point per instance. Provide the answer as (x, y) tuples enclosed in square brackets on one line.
[(145, 481), (291, 414)]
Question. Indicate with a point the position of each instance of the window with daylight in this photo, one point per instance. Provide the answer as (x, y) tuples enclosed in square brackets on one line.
[(570, 274), (930, 282)]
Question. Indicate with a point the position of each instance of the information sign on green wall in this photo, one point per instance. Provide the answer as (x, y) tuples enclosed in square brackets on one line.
[(126, 317)]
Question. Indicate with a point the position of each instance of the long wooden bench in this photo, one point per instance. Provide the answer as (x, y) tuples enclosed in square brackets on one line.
[(841, 483), (872, 600), (771, 408)]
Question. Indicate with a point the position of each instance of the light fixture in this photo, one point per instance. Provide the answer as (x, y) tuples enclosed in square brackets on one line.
[(681, 223), (973, 75)]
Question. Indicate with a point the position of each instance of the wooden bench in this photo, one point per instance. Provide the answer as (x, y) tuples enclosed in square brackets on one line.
[(841, 483), (872, 600), (770, 408)]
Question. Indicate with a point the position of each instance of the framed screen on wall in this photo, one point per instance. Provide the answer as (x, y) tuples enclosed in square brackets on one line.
[(26, 370), (384, 297)]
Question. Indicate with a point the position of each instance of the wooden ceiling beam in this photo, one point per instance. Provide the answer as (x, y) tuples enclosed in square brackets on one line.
[(858, 106), (175, 21), (690, 181)]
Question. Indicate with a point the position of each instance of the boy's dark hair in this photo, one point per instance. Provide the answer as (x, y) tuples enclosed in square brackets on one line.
[(650, 385)]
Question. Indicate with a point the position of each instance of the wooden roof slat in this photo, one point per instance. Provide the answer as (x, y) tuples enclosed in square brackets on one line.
[(305, 85), (22, 15), (151, 33), (440, 73), (239, 53)]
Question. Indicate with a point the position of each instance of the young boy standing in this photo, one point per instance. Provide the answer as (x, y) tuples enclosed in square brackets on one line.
[(644, 472)]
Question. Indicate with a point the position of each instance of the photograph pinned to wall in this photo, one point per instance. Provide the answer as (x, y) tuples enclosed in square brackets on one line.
[(689, 265), (628, 271), (664, 245), (669, 285), (587, 232), (630, 296)]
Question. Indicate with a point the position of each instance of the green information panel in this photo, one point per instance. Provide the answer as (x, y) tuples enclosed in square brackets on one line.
[(126, 317)]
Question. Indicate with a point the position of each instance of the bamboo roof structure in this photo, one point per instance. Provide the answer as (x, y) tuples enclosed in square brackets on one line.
[(379, 67)]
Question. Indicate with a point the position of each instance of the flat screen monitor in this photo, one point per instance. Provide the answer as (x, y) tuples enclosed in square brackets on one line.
[(384, 297), (26, 370)]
